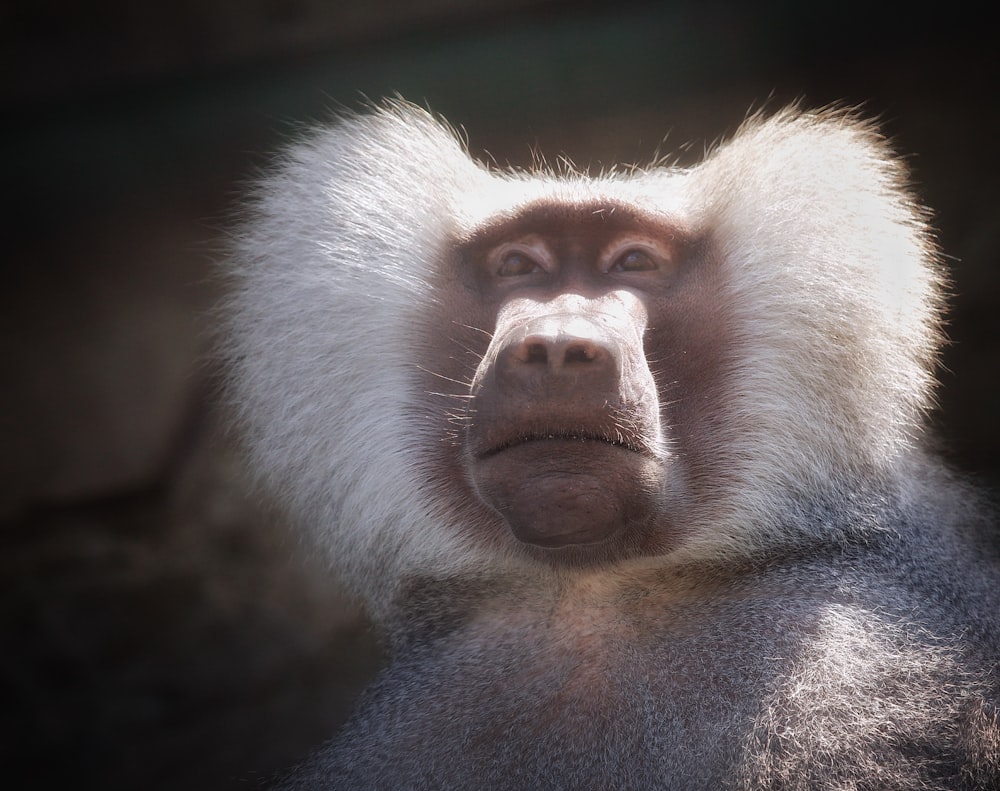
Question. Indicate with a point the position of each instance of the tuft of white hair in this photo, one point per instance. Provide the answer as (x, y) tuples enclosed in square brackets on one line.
[(835, 292)]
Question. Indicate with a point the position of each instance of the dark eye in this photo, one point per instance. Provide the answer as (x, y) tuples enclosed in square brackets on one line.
[(634, 260), (514, 264)]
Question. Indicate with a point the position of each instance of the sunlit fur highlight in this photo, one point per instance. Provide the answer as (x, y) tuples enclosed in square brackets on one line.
[(833, 297)]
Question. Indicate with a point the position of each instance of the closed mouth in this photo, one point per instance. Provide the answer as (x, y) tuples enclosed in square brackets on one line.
[(515, 440)]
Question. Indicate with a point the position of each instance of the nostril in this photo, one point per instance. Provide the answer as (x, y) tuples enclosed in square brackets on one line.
[(535, 352), (580, 353), (556, 352)]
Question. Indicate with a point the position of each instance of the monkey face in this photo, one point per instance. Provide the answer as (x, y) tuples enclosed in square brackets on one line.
[(447, 369), (567, 434)]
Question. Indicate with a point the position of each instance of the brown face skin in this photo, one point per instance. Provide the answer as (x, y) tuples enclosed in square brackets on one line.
[(568, 436)]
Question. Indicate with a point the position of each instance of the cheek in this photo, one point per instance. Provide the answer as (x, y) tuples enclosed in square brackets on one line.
[(690, 349), (452, 335), (451, 339), (685, 360)]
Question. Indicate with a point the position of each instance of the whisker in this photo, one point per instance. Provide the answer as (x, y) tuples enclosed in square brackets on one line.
[(487, 333), (464, 385)]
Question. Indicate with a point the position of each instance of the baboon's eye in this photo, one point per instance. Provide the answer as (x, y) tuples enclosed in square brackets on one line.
[(634, 260), (516, 263)]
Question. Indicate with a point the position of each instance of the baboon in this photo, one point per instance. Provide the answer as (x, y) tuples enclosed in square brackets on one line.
[(630, 468)]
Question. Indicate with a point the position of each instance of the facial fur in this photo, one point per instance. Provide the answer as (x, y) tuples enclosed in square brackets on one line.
[(555, 370)]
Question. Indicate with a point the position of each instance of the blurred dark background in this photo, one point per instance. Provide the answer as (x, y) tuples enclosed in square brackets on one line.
[(158, 629)]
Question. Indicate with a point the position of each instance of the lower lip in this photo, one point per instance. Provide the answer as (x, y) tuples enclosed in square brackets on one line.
[(556, 438)]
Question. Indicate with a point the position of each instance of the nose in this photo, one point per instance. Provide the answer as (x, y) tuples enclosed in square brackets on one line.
[(551, 350)]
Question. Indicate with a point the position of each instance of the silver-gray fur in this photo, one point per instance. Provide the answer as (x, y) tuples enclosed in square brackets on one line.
[(819, 605)]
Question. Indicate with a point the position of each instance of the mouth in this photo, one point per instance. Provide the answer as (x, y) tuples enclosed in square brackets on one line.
[(576, 437)]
